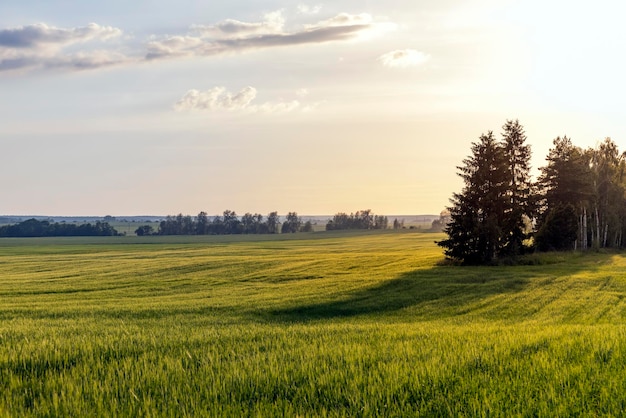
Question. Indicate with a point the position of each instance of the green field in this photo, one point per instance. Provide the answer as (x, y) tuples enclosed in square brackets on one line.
[(323, 324)]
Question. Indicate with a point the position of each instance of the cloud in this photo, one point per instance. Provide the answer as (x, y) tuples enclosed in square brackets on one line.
[(216, 98), (236, 36), (42, 35), (403, 58), (230, 28), (220, 99), (309, 10), (345, 19), (43, 46)]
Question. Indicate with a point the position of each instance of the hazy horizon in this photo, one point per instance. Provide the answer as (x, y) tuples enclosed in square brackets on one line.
[(314, 107)]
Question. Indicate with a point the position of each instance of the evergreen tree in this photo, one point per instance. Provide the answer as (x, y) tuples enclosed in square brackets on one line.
[(565, 181), (558, 230), (477, 214), (519, 184)]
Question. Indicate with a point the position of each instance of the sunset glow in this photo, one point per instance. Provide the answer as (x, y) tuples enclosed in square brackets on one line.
[(129, 108)]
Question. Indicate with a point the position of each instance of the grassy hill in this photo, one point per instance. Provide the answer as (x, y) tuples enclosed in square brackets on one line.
[(324, 324)]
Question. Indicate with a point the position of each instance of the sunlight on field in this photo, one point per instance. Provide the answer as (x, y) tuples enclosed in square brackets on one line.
[(325, 324)]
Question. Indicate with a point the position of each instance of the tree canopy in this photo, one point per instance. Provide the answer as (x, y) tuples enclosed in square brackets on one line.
[(578, 201)]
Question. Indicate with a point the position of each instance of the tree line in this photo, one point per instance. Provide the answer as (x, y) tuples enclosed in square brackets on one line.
[(577, 202), (362, 219), (35, 228), (228, 223)]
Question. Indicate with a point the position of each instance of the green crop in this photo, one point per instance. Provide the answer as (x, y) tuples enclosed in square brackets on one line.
[(324, 324)]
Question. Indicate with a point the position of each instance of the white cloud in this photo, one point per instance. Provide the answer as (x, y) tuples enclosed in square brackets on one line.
[(403, 58), (309, 10), (218, 98), (43, 46), (231, 29), (345, 19), (42, 35), (236, 36)]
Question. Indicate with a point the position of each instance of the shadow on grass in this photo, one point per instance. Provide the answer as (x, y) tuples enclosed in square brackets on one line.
[(440, 291)]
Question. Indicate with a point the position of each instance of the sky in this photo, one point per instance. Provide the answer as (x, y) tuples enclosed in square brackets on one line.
[(162, 107)]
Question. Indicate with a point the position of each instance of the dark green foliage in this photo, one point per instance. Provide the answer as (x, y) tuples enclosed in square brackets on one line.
[(307, 227), (35, 228), (226, 224), (477, 214), (362, 219), (558, 230), (292, 223), (520, 199), (579, 200), (566, 179), (144, 230), (273, 221)]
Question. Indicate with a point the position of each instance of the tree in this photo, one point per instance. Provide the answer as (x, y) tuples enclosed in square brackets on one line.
[(292, 223), (381, 222), (144, 230), (249, 224), (609, 191), (566, 180), (202, 223), (232, 225), (273, 221), (520, 202), (559, 229), (307, 227), (477, 213)]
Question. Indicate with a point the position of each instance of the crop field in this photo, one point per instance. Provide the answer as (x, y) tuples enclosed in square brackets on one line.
[(322, 324)]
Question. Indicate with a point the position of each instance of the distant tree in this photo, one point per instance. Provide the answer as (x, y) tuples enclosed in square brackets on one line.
[(440, 223), (380, 222), (249, 224), (35, 228), (292, 223), (187, 226), (307, 227), (217, 226), (362, 219), (144, 230), (202, 223), (273, 222), (232, 225)]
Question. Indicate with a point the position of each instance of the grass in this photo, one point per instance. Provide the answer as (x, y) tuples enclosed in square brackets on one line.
[(324, 324)]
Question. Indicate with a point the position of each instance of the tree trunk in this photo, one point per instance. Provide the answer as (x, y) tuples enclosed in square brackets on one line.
[(596, 240), (585, 244)]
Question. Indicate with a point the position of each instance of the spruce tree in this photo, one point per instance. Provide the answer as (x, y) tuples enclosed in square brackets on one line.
[(477, 213), (565, 181), (520, 203)]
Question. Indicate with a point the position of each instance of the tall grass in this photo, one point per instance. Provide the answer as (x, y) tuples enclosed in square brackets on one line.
[(338, 324)]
